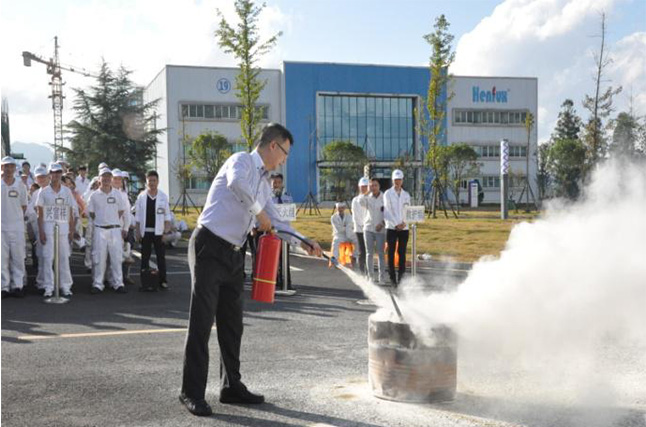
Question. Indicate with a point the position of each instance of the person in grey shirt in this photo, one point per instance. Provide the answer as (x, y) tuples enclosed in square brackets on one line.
[(374, 231), (239, 198)]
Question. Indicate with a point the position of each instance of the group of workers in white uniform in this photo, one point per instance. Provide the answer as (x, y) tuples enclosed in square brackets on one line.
[(36, 204), (377, 218)]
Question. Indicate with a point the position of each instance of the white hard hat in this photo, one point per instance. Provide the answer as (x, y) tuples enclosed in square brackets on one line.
[(364, 181), (339, 205), (103, 165), (397, 174), (105, 171), (40, 171), (8, 160), (55, 167)]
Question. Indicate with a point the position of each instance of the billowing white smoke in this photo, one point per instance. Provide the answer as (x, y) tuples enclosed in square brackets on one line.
[(562, 311)]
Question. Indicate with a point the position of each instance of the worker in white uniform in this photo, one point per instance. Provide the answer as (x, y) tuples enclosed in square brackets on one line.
[(374, 232), (126, 222), (342, 229), (89, 230), (395, 201), (56, 204), (82, 181), (358, 218), (14, 206), (106, 207), (42, 179)]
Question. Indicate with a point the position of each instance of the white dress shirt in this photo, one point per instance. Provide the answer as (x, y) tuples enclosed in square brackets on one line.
[(394, 204), (374, 212), (106, 207), (239, 192), (358, 214), (82, 184)]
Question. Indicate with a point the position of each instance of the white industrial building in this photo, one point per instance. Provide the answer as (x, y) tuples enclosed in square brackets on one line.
[(193, 100)]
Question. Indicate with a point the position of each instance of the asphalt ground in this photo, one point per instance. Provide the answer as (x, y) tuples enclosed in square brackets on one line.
[(115, 360)]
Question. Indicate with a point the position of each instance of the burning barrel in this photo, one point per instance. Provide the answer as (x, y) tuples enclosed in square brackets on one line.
[(403, 368)]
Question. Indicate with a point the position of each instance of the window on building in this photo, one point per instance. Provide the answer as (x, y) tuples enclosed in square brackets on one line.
[(489, 117), (219, 111), (382, 125)]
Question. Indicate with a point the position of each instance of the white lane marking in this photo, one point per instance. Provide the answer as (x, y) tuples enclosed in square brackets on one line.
[(100, 334)]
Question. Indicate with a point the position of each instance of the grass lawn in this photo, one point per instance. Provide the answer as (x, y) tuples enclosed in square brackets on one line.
[(475, 234)]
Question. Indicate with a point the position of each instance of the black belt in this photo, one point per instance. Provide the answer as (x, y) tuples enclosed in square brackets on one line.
[(220, 240), (108, 227)]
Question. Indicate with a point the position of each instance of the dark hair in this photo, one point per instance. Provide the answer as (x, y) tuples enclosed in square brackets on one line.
[(277, 175), (272, 132), (82, 168), (375, 180), (152, 173), (26, 163)]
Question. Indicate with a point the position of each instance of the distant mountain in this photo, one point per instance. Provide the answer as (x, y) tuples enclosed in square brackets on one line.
[(34, 152)]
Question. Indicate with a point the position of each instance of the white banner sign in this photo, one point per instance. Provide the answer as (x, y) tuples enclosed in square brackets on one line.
[(56, 213), (286, 211), (413, 214)]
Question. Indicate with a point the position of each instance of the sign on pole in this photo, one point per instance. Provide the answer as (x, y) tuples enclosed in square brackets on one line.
[(413, 214), (286, 211)]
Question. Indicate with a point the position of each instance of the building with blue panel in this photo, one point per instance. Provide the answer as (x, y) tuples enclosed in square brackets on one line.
[(372, 106)]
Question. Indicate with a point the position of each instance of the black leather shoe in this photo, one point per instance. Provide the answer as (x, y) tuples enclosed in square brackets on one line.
[(197, 407), (18, 293), (121, 290), (240, 394)]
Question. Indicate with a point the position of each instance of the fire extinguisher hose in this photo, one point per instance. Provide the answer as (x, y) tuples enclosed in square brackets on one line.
[(332, 259)]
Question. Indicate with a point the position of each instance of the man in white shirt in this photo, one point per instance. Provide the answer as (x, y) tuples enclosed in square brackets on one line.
[(56, 204), (42, 179), (358, 218), (395, 201), (342, 229), (239, 197), (14, 205), (82, 181), (152, 219), (106, 207), (374, 232), (126, 221), (89, 230)]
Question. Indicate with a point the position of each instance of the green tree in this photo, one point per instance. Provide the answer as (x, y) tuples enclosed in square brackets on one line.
[(208, 152), (344, 162), (543, 177), (599, 105), (462, 163), (244, 43), (439, 156), (113, 124), (569, 123), (566, 164), (626, 134), (431, 121)]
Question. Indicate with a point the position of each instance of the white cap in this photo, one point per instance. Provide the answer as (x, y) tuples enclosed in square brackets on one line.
[(397, 174), (104, 171), (339, 205), (40, 171), (116, 172), (55, 167), (125, 174), (103, 165), (8, 160), (364, 181)]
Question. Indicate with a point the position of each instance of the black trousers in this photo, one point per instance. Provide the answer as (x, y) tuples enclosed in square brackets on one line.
[(147, 242), (362, 252), (217, 292), (392, 238)]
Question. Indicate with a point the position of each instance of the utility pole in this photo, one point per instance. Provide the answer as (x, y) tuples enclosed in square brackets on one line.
[(54, 68)]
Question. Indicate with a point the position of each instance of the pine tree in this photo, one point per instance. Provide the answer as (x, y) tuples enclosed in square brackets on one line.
[(113, 124), (569, 123), (245, 45)]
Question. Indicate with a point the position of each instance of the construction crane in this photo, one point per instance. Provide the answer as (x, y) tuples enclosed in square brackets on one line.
[(54, 68)]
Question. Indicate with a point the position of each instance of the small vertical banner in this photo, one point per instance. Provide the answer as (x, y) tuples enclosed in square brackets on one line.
[(504, 157)]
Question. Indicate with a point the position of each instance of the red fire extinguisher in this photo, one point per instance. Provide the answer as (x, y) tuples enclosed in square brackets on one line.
[(266, 268)]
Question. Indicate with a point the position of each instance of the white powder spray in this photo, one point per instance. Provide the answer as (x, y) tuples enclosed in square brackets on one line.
[(561, 315)]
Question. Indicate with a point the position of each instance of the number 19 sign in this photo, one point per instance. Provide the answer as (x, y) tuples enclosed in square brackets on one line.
[(413, 214)]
